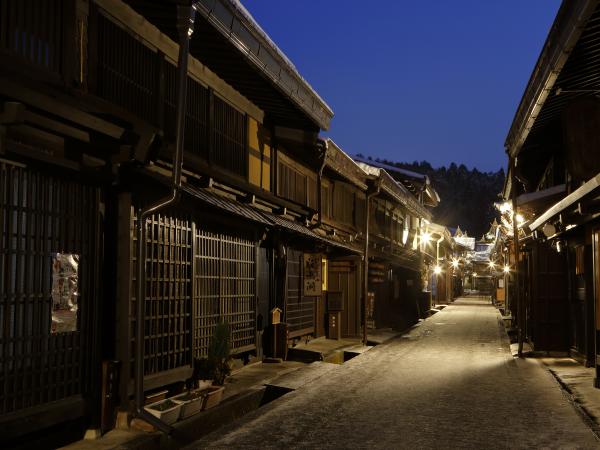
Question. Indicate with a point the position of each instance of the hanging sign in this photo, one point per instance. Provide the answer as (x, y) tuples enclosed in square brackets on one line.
[(313, 274), (65, 267)]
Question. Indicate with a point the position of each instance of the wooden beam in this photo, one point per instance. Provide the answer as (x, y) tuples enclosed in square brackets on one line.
[(58, 108)]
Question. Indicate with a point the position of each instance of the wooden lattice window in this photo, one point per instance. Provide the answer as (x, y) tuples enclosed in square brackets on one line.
[(42, 215), (296, 182), (168, 307), (229, 137), (33, 30), (127, 70), (196, 119), (343, 204), (225, 287), (299, 309)]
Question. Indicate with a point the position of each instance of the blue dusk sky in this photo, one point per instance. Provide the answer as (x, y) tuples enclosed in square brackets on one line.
[(414, 80)]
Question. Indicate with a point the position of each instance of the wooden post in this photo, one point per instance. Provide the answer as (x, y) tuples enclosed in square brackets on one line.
[(366, 269), (520, 309)]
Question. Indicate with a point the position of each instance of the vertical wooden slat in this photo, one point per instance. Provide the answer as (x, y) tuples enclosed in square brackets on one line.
[(39, 216)]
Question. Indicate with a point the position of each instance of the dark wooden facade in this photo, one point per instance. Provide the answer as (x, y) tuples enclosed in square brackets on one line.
[(553, 165), (87, 99)]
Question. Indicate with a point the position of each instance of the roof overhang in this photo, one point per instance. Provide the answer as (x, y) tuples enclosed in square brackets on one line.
[(395, 190), (229, 42), (415, 182), (587, 191), (238, 26), (533, 203), (558, 65), (344, 165)]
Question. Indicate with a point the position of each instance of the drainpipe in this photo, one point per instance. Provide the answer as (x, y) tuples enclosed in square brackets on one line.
[(371, 194), (319, 183), (185, 27), (520, 308)]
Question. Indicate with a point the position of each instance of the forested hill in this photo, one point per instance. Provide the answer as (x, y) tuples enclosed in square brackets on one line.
[(467, 196)]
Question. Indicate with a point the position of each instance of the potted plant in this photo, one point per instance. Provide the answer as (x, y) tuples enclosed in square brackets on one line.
[(215, 367), (201, 376), (218, 354)]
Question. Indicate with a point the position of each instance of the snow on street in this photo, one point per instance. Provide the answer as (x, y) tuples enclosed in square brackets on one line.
[(449, 383)]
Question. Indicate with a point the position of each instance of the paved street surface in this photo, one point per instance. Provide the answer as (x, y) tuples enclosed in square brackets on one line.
[(449, 383)]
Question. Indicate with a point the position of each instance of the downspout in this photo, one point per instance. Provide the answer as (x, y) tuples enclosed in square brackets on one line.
[(185, 27), (370, 195), (320, 190), (520, 309)]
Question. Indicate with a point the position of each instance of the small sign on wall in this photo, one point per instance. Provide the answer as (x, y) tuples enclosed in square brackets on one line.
[(313, 274), (65, 274)]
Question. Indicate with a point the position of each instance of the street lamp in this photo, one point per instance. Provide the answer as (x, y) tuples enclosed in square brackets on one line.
[(506, 269), (437, 270)]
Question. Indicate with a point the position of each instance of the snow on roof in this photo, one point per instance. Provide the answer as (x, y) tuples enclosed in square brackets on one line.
[(390, 168)]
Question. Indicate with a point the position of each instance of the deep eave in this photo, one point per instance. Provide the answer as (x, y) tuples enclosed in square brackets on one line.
[(344, 165), (561, 64), (395, 190), (232, 45)]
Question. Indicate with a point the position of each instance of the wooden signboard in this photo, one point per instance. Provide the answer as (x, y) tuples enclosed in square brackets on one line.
[(313, 274)]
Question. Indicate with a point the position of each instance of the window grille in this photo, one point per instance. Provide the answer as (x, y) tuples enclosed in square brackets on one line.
[(225, 286), (229, 134), (168, 294), (41, 215), (127, 70), (299, 310), (32, 30), (196, 137)]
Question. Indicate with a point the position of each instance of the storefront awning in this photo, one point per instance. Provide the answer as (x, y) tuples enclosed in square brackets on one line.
[(226, 205), (297, 228)]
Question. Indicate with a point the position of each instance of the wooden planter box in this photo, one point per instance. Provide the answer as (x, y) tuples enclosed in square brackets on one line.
[(214, 395), (155, 398), (203, 384), (191, 403), (170, 414)]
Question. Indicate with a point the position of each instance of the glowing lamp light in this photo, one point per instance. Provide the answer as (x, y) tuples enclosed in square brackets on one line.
[(520, 219), (506, 269), (475, 274), (505, 207), (426, 237), (492, 264), (455, 263), (437, 270)]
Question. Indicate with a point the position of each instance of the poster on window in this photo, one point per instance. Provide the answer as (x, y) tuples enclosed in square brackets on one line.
[(313, 271), (65, 268)]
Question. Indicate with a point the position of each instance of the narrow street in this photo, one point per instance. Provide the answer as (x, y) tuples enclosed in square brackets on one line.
[(450, 382)]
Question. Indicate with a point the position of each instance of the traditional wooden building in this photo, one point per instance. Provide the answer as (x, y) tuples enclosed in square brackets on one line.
[(552, 188), (92, 118), (395, 254), (342, 217)]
